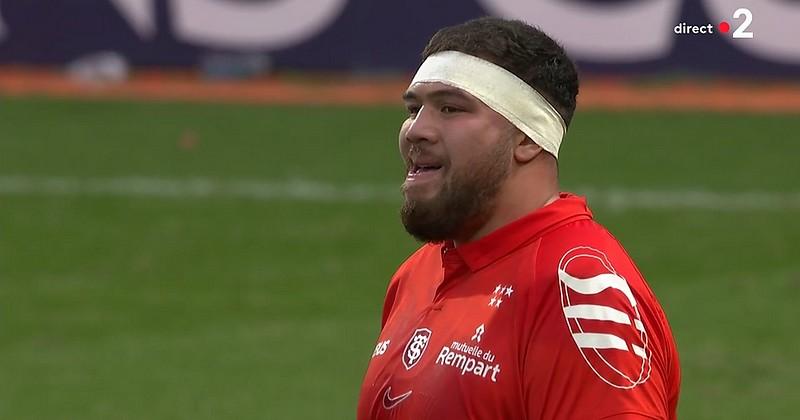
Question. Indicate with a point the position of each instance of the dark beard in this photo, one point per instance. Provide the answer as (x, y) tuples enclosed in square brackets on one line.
[(464, 203)]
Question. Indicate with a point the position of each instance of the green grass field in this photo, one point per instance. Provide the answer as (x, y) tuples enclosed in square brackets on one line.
[(223, 306)]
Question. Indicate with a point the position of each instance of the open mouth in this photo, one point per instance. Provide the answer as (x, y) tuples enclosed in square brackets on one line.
[(422, 174), (420, 169)]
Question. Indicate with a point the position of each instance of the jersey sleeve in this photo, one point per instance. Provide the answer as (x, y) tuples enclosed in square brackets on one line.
[(598, 346)]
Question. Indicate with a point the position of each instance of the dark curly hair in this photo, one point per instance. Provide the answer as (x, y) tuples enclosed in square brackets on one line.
[(521, 49)]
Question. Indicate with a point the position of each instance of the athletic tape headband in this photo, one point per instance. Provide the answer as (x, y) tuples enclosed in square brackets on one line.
[(501, 91)]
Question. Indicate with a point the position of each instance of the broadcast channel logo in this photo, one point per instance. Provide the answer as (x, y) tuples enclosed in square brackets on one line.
[(724, 27)]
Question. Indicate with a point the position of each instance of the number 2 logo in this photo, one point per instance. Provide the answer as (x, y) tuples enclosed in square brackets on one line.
[(741, 31)]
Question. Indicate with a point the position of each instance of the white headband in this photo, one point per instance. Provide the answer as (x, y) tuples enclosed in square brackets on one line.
[(501, 91)]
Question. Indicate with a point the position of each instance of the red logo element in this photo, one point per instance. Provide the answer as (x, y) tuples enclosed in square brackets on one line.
[(416, 347), (603, 318), (390, 402), (724, 27)]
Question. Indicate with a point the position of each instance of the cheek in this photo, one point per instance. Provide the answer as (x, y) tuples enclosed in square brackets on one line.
[(467, 159), (402, 144)]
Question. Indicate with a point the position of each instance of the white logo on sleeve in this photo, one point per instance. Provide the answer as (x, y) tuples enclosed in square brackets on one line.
[(603, 317), (416, 347)]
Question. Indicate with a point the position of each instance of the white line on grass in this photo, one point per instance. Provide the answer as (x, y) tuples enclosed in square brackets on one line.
[(136, 186), (315, 191)]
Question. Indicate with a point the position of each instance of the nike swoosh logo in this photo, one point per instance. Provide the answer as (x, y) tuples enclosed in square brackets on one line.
[(390, 402)]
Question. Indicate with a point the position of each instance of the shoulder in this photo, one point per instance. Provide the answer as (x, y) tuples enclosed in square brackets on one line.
[(591, 270), (585, 250), (606, 307), (426, 256), (580, 235)]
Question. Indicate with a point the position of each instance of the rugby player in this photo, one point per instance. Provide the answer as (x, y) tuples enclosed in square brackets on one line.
[(518, 305)]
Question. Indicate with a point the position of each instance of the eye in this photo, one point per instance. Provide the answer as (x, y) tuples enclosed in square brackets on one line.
[(447, 109), (413, 110)]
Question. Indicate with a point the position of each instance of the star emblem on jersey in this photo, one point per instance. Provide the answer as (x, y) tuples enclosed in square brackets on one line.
[(603, 317), (416, 347), (478, 333), (500, 291)]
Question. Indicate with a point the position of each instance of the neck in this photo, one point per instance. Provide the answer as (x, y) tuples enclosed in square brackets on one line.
[(511, 204)]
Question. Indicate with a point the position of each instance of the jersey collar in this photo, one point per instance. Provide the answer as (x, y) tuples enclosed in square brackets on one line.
[(499, 243)]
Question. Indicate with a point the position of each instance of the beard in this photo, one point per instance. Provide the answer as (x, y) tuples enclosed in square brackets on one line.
[(464, 203)]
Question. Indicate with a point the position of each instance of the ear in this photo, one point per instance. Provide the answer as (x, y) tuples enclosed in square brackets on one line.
[(526, 150)]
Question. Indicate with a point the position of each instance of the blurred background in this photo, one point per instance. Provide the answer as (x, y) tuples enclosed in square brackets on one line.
[(199, 198)]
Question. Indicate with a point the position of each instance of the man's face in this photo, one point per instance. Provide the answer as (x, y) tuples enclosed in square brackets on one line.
[(458, 153)]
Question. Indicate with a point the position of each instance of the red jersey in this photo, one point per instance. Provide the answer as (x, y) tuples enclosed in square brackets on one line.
[(544, 318)]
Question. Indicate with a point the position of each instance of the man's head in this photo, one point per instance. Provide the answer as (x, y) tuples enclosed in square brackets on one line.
[(465, 160), (519, 48)]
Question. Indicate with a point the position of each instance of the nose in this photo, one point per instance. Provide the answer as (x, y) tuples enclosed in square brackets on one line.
[(423, 127)]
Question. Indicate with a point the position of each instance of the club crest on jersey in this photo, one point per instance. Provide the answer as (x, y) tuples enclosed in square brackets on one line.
[(416, 347), (603, 318)]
